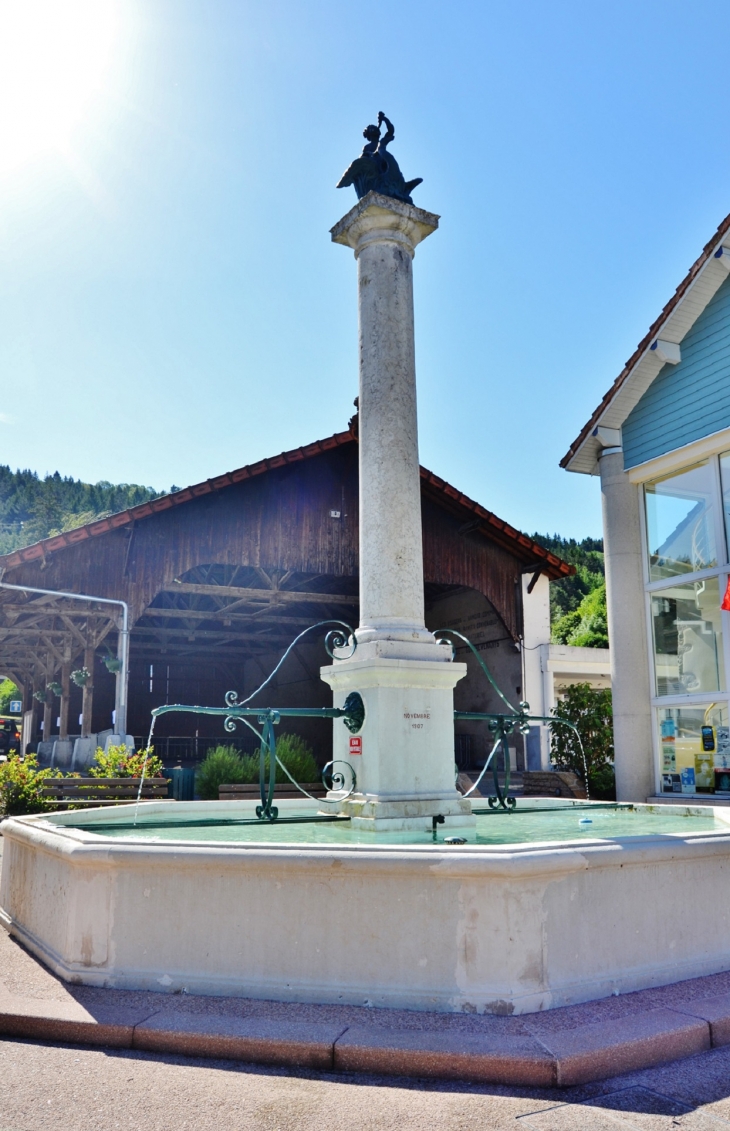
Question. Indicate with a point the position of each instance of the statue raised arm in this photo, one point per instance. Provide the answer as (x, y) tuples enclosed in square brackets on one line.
[(376, 170)]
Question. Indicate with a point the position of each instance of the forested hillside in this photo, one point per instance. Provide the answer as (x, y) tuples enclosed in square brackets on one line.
[(32, 508), (578, 604)]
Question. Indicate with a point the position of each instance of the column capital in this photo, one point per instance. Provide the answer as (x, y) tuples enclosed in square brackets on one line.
[(381, 219)]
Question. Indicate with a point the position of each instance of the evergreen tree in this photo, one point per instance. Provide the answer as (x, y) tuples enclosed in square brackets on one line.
[(578, 603), (32, 508)]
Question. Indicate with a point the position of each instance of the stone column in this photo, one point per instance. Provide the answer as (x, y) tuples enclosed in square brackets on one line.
[(627, 631), (405, 771)]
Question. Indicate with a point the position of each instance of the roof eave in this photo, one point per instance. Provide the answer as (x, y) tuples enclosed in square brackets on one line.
[(676, 318), (531, 552)]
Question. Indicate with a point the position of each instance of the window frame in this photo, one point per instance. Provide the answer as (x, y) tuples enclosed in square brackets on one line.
[(651, 588)]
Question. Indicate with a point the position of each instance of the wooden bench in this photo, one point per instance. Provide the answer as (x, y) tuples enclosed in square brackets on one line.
[(103, 791), (253, 792)]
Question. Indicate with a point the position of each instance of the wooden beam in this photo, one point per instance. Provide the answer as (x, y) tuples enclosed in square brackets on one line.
[(284, 596), (223, 614)]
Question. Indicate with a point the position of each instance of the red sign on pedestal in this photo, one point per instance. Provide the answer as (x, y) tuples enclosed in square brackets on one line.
[(356, 744)]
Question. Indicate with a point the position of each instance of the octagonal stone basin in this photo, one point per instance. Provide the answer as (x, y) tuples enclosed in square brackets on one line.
[(547, 906)]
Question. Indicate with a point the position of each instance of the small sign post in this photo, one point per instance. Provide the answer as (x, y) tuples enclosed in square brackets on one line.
[(15, 706)]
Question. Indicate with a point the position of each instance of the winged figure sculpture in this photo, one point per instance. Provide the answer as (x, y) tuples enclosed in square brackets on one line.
[(376, 170)]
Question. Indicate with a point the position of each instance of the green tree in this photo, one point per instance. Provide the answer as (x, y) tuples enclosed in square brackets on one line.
[(8, 691), (587, 557), (586, 626), (589, 709), (32, 508)]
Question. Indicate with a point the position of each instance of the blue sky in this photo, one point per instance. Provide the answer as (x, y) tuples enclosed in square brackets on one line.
[(171, 306)]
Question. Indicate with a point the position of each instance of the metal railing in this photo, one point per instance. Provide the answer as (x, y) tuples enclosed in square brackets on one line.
[(352, 713)]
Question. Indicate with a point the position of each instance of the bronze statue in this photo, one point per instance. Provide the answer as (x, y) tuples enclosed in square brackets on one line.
[(376, 170)]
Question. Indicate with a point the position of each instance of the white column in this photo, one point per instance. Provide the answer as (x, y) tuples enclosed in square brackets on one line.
[(405, 770), (535, 638), (384, 234), (627, 631)]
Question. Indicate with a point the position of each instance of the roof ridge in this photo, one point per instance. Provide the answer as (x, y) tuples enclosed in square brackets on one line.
[(39, 550), (165, 502)]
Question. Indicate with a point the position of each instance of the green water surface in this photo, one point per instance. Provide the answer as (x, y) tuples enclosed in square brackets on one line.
[(519, 827)]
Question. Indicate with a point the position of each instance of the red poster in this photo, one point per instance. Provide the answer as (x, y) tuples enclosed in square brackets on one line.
[(356, 744), (726, 599)]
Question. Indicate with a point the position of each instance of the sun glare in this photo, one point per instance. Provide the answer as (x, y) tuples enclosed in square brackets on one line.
[(53, 59)]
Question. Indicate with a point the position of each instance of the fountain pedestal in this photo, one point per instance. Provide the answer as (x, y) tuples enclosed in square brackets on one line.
[(404, 755)]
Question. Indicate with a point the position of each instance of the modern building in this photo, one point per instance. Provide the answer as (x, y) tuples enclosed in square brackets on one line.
[(660, 441)]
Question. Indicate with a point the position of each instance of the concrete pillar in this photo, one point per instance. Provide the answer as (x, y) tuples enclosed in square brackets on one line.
[(535, 638), (630, 673), (122, 682), (404, 756)]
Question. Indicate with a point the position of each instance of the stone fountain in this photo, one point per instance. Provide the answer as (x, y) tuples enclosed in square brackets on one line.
[(373, 904)]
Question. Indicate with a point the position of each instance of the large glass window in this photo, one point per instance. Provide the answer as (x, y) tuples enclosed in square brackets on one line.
[(694, 747), (679, 522), (688, 656)]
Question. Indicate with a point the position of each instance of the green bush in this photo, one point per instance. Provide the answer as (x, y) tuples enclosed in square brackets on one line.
[(590, 711), (222, 766), (21, 782), (225, 766), (121, 762), (294, 752)]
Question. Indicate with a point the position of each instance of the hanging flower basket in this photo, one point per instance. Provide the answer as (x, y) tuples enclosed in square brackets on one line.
[(81, 677), (113, 664), (40, 696), (55, 688)]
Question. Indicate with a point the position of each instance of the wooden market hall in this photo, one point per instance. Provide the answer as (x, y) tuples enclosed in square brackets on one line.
[(221, 576)]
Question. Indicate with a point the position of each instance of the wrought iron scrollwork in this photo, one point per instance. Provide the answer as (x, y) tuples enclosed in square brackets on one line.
[(336, 641), (337, 780), (501, 725), (236, 710)]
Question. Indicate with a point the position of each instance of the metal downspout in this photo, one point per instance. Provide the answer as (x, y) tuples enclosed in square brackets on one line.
[(120, 704)]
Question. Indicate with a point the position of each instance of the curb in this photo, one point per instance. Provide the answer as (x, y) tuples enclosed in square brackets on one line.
[(539, 1058)]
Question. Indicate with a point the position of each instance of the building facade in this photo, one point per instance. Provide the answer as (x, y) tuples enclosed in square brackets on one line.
[(660, 441)]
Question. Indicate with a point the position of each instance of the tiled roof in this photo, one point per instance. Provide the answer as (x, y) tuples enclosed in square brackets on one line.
[(503, 532)]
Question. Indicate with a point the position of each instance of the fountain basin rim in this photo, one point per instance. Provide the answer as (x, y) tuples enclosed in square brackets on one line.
[(513, 859)]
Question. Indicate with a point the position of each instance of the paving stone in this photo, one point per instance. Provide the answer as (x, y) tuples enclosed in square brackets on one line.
[(624, 1044), (239, 1038), (108, 1024), (487, 1059), (715, 1010)]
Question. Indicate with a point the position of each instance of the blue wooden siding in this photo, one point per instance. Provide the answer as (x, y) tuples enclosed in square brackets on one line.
[(687, 401)]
